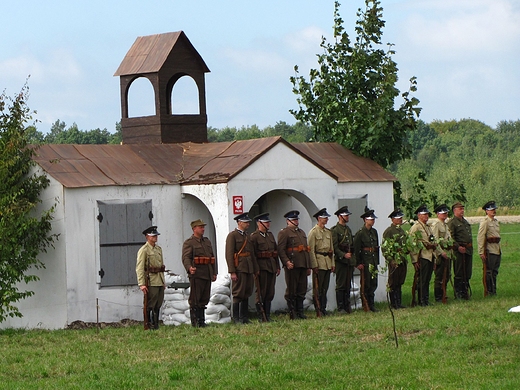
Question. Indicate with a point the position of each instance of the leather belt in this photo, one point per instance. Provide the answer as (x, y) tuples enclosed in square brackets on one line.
[(204, 260), (266, 254), (371, 249), (155, 270), (299, 248), (493, 240)]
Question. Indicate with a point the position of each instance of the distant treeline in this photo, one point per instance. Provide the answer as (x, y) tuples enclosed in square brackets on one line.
[(447, 154)]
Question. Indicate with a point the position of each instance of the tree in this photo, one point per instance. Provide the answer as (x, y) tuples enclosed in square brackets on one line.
[(24, 232), (350, 99)]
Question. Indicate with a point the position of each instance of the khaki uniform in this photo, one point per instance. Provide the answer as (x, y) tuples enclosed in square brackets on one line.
[(322, 257), (292, 246), (343, 242), (396, 267), (150, 258), (460, 230), (488, 239), (425, 257), (266, 253), (443, 266), (245, 267)]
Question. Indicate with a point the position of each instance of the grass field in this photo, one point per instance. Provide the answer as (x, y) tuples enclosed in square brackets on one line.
[(462, 345)]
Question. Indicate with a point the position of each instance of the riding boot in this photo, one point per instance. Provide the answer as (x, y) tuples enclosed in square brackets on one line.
[(244, 312), (267, 310), (399, 295), (292, 308), (299, 309), (236, 312), (346, 302), (340, 296), (201, 317), (437, 292), (151, 319), (156, 319), (393, 302), (258, 306), (371, 304), (323, 305), (193, 317)]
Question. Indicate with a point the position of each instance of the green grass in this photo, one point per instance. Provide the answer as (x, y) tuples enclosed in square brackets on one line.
[(463, 345)]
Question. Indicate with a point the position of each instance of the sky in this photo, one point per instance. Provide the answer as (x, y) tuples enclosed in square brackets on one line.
[(464, 53)]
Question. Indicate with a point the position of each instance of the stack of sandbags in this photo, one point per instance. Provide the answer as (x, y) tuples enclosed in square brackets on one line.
[(355, 298), (176, 309), (219, 307)]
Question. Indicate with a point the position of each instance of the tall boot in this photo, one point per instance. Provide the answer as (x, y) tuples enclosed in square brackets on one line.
[(193, 317), (236, 312), (346, 302), (156, 319), (244, 312), (292, 309), (437, 292), (267, 310), (340, 301), (399, 295), (323, 305), (151, 320), (201, 317), (299, 309), (393, 300), (371, 304)]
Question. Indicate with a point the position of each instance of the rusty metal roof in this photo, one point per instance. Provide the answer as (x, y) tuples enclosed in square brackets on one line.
[(148, 54), (76, 166)]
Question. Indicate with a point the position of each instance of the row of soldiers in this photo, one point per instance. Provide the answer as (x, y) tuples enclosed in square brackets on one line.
[(255, 260)]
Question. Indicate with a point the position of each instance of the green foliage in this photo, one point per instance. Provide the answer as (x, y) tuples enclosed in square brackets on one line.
[(60, 135), (298, 132), (351, 98), (24, 233), (465, 160)]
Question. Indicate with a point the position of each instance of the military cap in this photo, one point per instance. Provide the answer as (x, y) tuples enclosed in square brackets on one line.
[(368, 214), (322, 214), (441, 209), (262, 218), (343, 211), (151, 231), (457, 205), (422, 210), (197, 222), (397, 213), (242, 218), (293, 214), (491, 205)]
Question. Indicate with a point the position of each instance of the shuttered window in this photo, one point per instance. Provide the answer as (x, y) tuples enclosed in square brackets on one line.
[(121, 223)]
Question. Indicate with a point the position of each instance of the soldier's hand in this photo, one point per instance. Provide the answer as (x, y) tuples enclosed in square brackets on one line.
[(277, 271), (193, 270), (333, 269), (315, 270), (360, 267), (416, 265), (348, 255), (462, 249), (234, 276), (214, 278), (483, 257), (289, 264), (144, 289)]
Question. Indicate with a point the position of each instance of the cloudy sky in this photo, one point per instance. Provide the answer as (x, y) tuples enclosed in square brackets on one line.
[(464, 53)]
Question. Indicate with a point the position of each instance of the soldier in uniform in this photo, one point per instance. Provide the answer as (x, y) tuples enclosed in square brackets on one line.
[(242, 266), (322, 256), (366, 250), (460, 230), (342, 240), (150, 275), (396, 266), (293, 251), (424, 260), (199, 261), (268, 263), (488, 239), (443, 254)]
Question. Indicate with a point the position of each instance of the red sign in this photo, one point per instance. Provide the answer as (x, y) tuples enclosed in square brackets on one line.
[(238, 204)]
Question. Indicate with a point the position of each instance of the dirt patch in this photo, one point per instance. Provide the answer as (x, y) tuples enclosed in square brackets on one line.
[(124, 323)]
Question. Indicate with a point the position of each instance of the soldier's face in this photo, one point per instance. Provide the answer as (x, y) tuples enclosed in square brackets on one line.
[(442, 216), (458, 211), (369, 223), (397, 221), (243, 225), (151, 239), (198, 231), (344, 218), (491, 213), (422, 217)]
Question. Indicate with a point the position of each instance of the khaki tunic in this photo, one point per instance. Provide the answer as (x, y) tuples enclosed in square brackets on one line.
[(246, 264), (426, 233), (488, 228), (460, 230), (343, 242), (149, 256), (265, 242), (320, 241), (291, 237), (440, 230)]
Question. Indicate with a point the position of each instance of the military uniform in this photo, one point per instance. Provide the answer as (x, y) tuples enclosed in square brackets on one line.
[(150, 272), (322, 258), (488, 239), (198, 253), (366, 250), (240, 259), (343, 243), (293, 247), (442, 265), (460, 230), (266, 253), (396, 266)]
